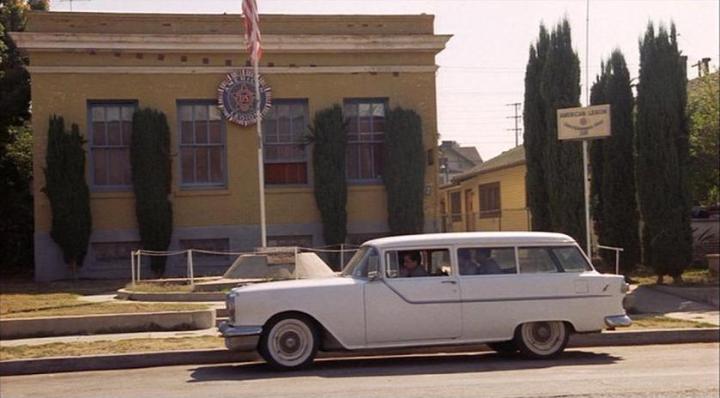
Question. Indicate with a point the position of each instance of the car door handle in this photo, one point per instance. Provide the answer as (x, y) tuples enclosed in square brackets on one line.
[(452, 282)]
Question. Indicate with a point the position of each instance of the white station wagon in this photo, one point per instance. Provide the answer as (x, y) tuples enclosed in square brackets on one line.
[(513, 291)]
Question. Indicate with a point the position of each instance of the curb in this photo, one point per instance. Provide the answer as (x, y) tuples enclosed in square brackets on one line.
[(204, 357), (16, 328)]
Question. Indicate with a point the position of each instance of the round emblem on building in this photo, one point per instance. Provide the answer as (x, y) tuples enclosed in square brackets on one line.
[(236, 97)]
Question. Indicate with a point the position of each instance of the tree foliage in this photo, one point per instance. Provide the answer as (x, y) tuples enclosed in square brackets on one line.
[(703, 109), (67, 191), (555, 180), (404, 171), (663, 153), (614, 178), (16, 214), (151, 177), (535, 135), (328, 133)]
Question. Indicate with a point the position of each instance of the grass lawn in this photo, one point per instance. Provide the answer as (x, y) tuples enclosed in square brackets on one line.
[(167, 287), (692, 277), (663, 322), (110, 347)]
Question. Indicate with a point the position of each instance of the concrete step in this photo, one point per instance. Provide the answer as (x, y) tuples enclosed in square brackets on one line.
[(218, 321)]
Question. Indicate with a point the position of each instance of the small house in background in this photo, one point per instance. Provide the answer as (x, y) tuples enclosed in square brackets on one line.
[(456, 159), (489, 197)]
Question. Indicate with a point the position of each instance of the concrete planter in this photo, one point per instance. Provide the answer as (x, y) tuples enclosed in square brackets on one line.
[(18, 328)]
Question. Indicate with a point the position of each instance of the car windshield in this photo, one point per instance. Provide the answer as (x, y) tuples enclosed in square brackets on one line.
[(358, 264)]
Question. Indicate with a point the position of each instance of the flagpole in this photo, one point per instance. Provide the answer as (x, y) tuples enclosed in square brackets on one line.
[(261, 166)]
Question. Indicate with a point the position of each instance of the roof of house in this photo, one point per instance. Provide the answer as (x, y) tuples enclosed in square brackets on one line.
[(469, 153), (509, 158)]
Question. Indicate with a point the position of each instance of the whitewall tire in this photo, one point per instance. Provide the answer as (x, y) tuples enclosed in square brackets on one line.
[(542, 340), (289, 342)]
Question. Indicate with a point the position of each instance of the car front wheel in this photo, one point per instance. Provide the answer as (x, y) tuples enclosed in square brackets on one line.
[(289, 342), (542, 340)]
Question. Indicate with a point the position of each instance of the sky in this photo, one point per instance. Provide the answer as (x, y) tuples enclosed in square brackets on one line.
[(481, 71)]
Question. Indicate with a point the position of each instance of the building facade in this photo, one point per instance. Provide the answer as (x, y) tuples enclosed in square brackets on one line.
[(489, 197), (95, 69)]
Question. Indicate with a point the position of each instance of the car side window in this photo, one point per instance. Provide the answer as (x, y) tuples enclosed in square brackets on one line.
[(534, 260), (571, 260), (486, 260), (417, 263)]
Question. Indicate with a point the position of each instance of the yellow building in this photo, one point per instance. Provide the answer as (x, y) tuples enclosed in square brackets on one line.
[(490, 197), (95, 69)]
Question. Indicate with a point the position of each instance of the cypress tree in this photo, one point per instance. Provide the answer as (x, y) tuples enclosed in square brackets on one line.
[(560, 88), (663, 154), (535, 135), (617, 211), (404, 172), (151, 178), (68, 192), (329, 136)]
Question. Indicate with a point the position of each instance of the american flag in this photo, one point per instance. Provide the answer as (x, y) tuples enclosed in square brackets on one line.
[(252, 29)]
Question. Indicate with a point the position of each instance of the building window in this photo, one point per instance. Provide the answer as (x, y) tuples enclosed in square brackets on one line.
[(284, 142), (290, 240), (202, 144), (455, 206), (218, 246), (113, 253), (489, 200), (110, 131), (366, 127)]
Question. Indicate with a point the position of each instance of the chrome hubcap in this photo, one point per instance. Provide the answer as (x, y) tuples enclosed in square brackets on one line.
[(290, 342)]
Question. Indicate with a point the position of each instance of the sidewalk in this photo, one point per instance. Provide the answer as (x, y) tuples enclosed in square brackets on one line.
[(650, 300)]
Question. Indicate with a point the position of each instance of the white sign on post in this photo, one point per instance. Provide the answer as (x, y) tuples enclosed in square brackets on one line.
[(583, 123)]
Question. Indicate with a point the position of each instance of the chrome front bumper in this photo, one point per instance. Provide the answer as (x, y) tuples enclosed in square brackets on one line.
[(618, 321), (228, 330)]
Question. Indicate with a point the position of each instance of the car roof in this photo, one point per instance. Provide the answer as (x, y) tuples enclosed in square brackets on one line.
[(474, 238)]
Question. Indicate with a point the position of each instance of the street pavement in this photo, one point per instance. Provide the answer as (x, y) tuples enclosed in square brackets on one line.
[(676, 370)]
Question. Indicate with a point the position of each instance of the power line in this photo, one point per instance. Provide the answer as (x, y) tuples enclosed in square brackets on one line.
[(517, 116)]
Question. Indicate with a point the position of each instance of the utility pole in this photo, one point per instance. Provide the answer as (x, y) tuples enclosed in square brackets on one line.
[(517, 117)]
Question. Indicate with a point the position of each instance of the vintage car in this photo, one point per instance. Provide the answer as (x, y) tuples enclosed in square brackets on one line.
[(514, 291)]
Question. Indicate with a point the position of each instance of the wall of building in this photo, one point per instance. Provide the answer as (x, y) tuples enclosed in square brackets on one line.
[(514, 214), (230, 212)]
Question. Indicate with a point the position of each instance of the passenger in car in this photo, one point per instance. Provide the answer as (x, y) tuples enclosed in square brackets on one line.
[(411, 265), (467, 265), (487, 265)]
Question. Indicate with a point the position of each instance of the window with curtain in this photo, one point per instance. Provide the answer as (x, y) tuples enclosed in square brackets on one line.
[(284, 151)]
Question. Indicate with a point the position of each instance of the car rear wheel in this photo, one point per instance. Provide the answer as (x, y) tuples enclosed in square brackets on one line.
[(542, 340), (289, 342), (503, 347)]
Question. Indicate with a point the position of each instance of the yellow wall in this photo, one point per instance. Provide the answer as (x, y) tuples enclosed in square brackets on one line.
[(67, 95), (514, 215)]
